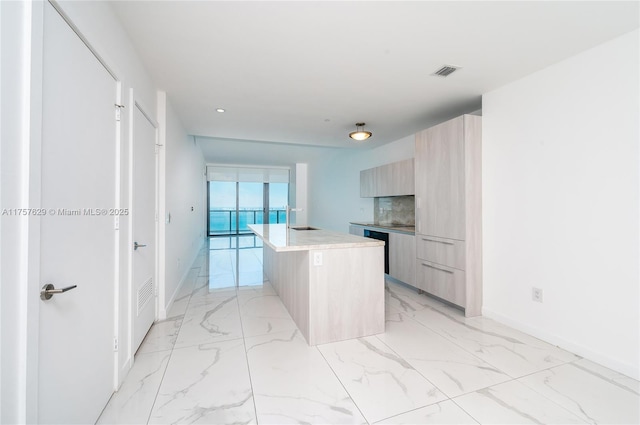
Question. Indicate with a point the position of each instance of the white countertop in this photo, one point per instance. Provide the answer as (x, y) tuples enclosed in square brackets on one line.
[(398, 228), (275, 236)]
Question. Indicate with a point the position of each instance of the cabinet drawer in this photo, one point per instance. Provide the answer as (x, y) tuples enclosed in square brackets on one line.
[(443, 282), (448, 252)]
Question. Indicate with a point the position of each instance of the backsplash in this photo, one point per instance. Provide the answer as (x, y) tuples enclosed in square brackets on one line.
[(395, 210)]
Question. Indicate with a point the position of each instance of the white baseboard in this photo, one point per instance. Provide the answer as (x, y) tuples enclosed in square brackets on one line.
[(124, 371), (630, 370), (162, 314)]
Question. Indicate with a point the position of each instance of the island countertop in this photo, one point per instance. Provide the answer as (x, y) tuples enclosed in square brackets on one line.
[(275, 236)]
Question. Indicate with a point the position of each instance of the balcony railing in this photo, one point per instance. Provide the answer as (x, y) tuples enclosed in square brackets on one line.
[(223, 222)]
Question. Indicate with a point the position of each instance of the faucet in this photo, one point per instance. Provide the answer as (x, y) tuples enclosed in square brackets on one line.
[(288, 217)]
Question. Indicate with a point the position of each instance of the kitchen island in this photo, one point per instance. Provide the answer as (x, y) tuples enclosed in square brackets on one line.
[(331, 283)]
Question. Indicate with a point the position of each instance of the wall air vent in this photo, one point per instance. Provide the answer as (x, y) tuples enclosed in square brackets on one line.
[(446, 70), (145, 294)]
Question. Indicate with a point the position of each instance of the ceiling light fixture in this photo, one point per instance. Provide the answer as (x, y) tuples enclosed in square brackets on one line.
[(220, 110), (360, 134)]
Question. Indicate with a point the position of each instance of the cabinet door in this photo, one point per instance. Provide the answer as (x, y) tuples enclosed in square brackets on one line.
[(402, 256), (440, 180), (382, 177), (402, 178), (420, 174), (395, 179), (368, 183)]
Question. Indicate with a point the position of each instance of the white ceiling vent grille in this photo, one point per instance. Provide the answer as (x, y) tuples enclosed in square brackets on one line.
[(145, 294), (446, 70)]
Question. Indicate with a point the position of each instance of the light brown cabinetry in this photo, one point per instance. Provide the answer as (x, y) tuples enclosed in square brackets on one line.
[(440, 180), (402, 254), (368, 183), (448, 212), (442, 281), (449, 252), (395, 179)]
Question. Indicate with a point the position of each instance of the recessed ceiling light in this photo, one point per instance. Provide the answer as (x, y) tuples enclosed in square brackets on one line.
[(219, 110)]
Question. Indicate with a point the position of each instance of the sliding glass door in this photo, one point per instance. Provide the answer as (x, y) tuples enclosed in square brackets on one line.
[(235, 205), (278, 199), (222, 208), (250, 205)]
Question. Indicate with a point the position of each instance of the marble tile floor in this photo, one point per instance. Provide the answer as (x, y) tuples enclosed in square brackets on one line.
[(230, 353)]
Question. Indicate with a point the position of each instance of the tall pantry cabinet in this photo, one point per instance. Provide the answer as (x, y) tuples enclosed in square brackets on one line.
[(449, 212)]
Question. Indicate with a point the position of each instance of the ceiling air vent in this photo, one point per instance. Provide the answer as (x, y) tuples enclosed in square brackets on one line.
[(446, 70)]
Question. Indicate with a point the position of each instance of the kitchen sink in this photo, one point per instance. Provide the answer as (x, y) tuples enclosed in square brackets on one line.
[(303, 228)]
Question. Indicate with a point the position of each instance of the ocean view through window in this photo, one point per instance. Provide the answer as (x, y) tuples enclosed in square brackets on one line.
[(235, 205)]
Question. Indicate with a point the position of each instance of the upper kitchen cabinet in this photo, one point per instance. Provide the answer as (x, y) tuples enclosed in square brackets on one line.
[(449, 212), (395, 179), (368, 183)]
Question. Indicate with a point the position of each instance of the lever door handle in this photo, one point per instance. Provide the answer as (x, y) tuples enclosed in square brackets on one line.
[(136, 245), (49, 291)]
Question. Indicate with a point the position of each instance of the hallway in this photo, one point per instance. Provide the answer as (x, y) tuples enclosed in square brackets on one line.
[(230, 353)]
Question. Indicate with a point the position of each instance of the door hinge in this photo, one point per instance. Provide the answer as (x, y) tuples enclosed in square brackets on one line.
[(118, 108), (115, 343), (116, 223)]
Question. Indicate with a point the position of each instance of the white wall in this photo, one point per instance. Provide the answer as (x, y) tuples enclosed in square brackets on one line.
[(560, 195), (334, 183), (185, 186), (14, 117), (301, 190)]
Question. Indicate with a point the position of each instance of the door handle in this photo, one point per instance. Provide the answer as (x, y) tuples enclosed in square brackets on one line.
[(49, 291), (136, 245)]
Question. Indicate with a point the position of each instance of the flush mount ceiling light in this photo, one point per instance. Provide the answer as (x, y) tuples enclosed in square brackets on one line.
[(360, 134), (220, 110)]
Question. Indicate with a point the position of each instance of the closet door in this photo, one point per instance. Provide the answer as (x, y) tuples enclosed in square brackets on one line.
[(77, 239)]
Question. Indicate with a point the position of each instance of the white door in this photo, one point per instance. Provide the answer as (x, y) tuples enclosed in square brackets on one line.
[(76, 328), (143, 211)]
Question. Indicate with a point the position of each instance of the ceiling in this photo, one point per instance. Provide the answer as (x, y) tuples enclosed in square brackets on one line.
[(303, 73)]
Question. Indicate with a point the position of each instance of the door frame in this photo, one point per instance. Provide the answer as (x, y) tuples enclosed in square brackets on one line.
[(135, 103), (31, 189)]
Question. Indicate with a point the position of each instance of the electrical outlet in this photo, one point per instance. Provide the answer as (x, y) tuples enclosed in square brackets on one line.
[(536, 294), (317, 258)]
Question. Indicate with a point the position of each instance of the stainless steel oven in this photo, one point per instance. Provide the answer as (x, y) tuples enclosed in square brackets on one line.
[(381, 236)]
